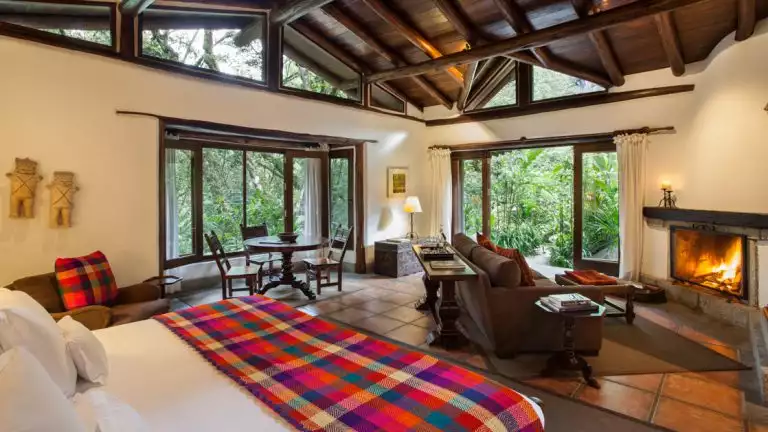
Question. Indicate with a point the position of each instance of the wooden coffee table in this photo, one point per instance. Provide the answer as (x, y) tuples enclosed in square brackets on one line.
[(568, 359)]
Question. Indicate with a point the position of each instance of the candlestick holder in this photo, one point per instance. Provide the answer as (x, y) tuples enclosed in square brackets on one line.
[(668, 200)]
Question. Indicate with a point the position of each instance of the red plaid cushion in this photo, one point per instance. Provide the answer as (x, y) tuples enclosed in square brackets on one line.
[(86, 281)]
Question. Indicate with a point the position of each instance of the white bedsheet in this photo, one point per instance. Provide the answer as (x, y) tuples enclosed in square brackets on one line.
[(175, 389)]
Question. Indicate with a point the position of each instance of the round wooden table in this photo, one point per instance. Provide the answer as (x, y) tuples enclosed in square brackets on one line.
[(275, 245)]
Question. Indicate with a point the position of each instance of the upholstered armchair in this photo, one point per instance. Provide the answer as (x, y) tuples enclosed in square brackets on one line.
[(133, 303)]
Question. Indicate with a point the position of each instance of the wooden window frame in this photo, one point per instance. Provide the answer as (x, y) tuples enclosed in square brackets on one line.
[(48, 38)]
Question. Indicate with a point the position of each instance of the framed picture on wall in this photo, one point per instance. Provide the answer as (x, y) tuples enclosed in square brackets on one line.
[(397, 182)]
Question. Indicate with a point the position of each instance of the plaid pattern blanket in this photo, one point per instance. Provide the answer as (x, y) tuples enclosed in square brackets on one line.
[(320, 376)]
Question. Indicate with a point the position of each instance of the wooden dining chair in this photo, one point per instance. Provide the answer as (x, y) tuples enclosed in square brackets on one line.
[(230, 273), (320, 269), (265, 261)]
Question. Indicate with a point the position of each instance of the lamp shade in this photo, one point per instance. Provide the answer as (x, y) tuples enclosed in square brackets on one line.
[(412, 205)]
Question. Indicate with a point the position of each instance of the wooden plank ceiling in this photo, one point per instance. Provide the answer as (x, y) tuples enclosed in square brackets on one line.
[(382, 35)]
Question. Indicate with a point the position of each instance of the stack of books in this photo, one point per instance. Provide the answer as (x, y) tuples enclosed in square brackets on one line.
[(569, 303)]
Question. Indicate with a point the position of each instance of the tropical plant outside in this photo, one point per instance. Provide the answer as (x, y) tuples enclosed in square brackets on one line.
[(532, 203)]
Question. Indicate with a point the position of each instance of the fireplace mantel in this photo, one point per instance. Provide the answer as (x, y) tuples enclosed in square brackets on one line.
[(711, 217)]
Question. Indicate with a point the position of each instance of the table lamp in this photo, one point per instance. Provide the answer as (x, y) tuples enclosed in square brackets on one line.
[(411, 206)]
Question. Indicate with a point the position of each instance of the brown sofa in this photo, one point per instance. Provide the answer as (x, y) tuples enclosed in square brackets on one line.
[(502, 315), (133, 303)]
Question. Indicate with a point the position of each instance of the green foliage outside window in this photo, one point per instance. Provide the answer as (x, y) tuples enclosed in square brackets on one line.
[(340, 193), (505, 97), (472, 196), (601, 206), (223, 196), (531, 199), (265, 187), (179, 166), (208, 49), (299, 77)]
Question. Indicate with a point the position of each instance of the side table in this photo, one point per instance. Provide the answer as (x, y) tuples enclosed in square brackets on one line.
[(622, 288), (163, 281), (567, 359)]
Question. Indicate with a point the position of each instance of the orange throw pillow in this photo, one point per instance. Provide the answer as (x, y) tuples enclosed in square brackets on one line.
[(526, 274), (485, 242)]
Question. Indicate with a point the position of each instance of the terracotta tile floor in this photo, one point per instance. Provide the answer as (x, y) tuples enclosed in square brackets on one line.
[(694, 401)]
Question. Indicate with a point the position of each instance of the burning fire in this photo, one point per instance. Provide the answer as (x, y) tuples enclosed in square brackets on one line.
[(722, 274)]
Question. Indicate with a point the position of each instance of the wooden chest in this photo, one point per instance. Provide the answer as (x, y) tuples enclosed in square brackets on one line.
[(395, 258)]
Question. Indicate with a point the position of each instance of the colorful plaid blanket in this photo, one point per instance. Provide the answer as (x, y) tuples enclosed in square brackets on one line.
[(320, 376)]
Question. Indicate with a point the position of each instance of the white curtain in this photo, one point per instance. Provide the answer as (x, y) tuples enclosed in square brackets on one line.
[(312, 207), (171, 206), (440, 211), (631, 151)]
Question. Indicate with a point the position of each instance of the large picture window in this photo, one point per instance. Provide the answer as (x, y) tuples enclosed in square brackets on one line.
[(222, 43), (217, 187)]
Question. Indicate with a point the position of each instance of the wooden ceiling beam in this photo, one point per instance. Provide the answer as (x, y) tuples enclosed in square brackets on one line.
[(291, 10), (344, 56), (602, 45), (414, 36), (666, 26), (604, 20), (746, 18), (134, 7), (518, 20), (393, 57)]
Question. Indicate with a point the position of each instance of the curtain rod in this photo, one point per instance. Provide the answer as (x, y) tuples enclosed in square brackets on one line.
[(524, 142)]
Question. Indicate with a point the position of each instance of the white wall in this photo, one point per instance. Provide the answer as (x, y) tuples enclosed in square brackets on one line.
[(58, 107), (715, 161)]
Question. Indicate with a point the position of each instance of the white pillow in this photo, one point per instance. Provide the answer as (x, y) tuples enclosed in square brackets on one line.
[(109, 413), (25, 323), (86, 351), (31, 401)]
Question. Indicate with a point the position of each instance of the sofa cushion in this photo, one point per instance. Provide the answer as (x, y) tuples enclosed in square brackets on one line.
[(86, 281), (502, 272), (132, 312), (44, 289), (486, 242), (464, 244), (526, 275)]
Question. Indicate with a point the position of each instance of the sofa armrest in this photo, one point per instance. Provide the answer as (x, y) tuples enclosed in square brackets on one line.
[(139, 293), (93, 317)]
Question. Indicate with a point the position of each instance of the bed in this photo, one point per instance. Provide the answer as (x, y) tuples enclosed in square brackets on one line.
[(175, 387)]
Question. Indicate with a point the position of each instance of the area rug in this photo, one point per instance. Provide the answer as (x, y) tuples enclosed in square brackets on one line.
[(642, 348), (318, 375)]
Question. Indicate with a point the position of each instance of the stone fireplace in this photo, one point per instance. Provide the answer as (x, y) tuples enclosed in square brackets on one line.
[(714, 260), (708, 258)]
